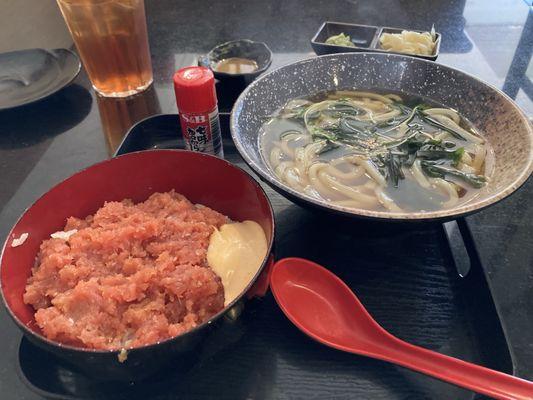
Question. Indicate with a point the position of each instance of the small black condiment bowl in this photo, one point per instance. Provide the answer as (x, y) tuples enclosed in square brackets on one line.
[(244, 48), (230, 86)]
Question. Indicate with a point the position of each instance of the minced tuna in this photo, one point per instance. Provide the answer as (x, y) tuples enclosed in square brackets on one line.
[(130, 275)]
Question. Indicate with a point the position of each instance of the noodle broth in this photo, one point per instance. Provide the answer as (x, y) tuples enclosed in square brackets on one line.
[(381, 152)]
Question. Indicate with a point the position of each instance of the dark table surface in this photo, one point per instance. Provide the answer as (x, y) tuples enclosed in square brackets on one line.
[(43, 143)]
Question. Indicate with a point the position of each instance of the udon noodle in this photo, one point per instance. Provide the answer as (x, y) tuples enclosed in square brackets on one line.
[(376, 151)]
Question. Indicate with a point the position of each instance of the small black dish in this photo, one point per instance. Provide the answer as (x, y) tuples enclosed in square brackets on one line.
[(30, 75), (230, 86), (244, 48), (364, 37)]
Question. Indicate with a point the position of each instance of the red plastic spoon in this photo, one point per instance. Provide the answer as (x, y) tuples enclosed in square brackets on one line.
[(323, 307)]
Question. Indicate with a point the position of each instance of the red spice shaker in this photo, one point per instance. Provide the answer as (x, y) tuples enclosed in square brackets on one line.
[(197, 105)]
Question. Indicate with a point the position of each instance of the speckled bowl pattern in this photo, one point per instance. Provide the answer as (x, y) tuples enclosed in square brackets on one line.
[(504, 125)]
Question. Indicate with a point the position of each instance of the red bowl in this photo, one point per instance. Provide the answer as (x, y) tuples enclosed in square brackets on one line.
[(201, 178)]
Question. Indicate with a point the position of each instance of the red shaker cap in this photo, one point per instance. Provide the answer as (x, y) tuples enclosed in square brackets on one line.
[(195, 89)]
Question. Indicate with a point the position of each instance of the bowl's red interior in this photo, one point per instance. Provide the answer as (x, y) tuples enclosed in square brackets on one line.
[(202, 179)]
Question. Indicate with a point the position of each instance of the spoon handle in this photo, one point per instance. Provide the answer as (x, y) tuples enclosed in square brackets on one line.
[(461, 373)]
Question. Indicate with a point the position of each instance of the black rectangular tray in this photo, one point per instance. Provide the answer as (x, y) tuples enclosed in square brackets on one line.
[(404, 274), (364, 37)]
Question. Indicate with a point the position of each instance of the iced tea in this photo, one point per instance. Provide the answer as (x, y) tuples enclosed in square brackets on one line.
[(112, 40)]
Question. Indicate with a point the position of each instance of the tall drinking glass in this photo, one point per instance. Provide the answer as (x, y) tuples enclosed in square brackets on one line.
[(111, 38)]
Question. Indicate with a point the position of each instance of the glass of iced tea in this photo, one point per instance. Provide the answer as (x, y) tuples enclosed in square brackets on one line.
[(112, 41)]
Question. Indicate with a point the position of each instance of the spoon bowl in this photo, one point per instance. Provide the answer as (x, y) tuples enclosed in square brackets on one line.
[(325, 296), (322, 306)]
